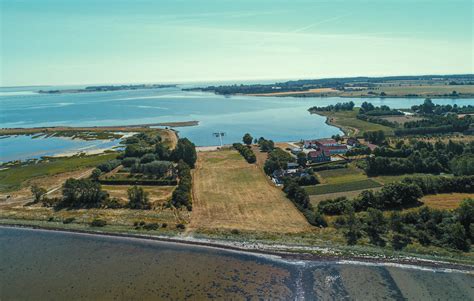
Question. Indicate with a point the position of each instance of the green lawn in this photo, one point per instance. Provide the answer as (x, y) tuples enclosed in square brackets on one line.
[(13, 178), (342, 175), (342, 187)]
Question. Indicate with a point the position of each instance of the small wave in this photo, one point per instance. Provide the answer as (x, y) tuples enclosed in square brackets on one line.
[(404, 266)]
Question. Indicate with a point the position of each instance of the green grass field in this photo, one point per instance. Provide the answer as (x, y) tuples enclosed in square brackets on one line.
[(13, 178), (342, 187), (342, 175), (347, 120)]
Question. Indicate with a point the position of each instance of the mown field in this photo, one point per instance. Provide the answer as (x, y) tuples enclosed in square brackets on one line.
[(16, 177), (349, 123), (342, 187), (446, 201), (231, 194)]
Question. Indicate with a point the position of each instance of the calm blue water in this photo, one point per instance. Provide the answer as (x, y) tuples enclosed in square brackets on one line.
[(280, 119), (42, 265)]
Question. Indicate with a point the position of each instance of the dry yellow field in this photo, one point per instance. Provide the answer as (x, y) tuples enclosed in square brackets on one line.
[(446, 200), (157, 194), (230, 194)]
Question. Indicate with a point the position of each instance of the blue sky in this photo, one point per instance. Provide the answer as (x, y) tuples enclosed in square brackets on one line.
[(100, 41)]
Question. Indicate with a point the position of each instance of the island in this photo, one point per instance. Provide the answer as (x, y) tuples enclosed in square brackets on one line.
[(108, 88)]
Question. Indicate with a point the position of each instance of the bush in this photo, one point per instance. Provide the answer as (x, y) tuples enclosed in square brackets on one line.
[(130, 161), (180, 226), (98, 223), (109, 165), (138, 198), (68, 220), (151, 226), (113, 203)]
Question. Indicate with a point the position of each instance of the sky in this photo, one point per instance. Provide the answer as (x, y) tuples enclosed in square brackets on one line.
[(66, 42)]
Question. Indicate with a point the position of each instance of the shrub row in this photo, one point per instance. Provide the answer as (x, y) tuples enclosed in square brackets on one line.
[(246, 152), (149, 182), (182, 194)]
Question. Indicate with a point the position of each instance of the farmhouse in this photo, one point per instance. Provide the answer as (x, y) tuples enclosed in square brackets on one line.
[(335, 150), (353, 142), (329, 146), (318, 155), (319, 143)]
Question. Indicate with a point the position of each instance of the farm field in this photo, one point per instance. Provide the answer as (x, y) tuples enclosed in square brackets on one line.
[(229, 193), (401, 119), (445, 200), (341, 175), (342, 187), (349, 123), (316, 198)]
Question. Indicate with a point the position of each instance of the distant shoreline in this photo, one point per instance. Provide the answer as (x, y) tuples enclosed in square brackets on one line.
[(112, 128)]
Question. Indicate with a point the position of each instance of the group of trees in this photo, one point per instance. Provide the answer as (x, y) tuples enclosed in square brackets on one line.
[(277, 159), (442, 228), (182, 194), (265, 145), (429, 108), (82, 193), (369, 109), (246, 152), (423, 157), (391, 196), (300, 198), (436, 124), (451, 229), (375, 137), (345, 106)]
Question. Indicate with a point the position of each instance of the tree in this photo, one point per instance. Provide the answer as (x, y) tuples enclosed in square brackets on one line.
[(400, 241), (247, 139), (156, 169), (162, 152), (376, 225), (353, 232), (96, 174), (82, 192), (456, 237), (147, 158), (185, 150), (38, 193), (466, 216), (138, 198), (301, 159), (463, 165)]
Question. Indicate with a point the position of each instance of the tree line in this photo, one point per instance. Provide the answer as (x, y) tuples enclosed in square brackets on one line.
[(421, 157), (345, 106)]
